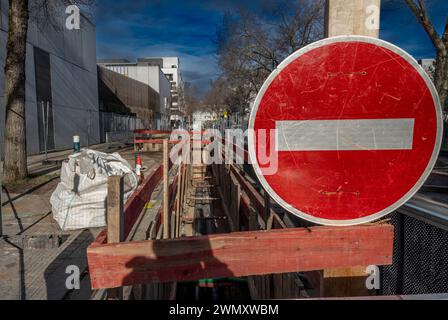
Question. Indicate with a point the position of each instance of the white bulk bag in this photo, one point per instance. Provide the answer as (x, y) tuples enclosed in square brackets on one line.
[(79, 200)]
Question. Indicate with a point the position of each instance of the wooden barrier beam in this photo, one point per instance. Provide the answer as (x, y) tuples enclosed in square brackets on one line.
[(155, 141), (115, 219), (236, 150), (135, 204), (256, 199), (144, 131), (160, 141), (239, 254), (137, 201), (115, 216), (165, 201), (139, 198)]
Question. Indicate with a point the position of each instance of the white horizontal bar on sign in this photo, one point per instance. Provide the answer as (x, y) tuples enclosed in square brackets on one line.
[(337, 135)]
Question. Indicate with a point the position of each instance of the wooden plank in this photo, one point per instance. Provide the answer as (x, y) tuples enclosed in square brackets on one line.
[(143, 131), (135, 204), (183, 192), (225, 205), (154, 141), (236, 150), (115, 220), (165, 218), (172, 204), (246, 212), (160, 141), (235, 191), (345, 282), (256, 199), (345, 272), (115, 217), (267, 206), (139, 198), (178, 200), (239, 254), (253, 219)]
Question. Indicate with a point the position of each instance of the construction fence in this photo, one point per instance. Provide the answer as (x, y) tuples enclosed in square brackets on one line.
[(115, 127)]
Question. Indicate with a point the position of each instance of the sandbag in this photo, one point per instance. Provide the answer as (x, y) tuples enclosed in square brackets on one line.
[(79, 200)]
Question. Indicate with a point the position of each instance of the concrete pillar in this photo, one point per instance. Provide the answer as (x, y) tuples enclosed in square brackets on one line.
[(349, 17), (352, 17)]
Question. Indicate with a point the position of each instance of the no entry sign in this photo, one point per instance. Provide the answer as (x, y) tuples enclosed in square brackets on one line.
[(345, 130)]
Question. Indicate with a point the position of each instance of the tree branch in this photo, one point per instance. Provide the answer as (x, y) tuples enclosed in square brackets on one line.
[(421, 14)]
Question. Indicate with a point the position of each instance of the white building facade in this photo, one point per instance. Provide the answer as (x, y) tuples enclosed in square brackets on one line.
[(61, 78)]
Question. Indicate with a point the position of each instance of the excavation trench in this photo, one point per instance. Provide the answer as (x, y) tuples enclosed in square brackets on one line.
[(204, 216)]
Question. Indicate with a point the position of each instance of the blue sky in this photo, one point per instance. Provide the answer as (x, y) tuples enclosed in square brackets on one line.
[(142, 28)]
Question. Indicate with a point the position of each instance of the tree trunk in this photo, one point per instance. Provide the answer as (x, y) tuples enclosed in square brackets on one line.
[(441, 79), (15, 166)]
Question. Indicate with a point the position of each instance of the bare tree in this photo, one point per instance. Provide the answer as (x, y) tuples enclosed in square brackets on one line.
[(15, 166), (19, 14), (251, 45), (190, 98), (224, 96), (440, 43)]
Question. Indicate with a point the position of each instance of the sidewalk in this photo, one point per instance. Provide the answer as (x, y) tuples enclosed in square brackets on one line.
[(34, 253), (24, 203)]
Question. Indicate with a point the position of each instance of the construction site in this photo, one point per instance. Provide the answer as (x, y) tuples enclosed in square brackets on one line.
[(333, 186)]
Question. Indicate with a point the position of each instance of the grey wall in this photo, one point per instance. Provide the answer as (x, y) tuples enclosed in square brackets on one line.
[(155, 78), (152, 76), (165, 93), (73, 79)]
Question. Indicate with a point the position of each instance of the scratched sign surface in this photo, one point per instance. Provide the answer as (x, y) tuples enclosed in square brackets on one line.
[(351, 128)]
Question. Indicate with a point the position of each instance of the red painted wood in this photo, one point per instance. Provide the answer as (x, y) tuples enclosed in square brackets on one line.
[(100, 239), (160, 141), (139, 198), (254, 196), (156, 141), (235, 148), (172, 193), (239, 254), (143, 131), (135, 204)]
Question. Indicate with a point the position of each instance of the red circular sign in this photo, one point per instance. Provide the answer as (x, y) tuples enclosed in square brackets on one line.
[(345, 130)]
